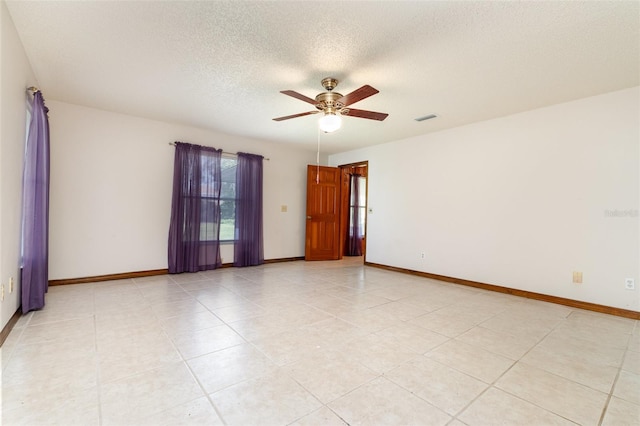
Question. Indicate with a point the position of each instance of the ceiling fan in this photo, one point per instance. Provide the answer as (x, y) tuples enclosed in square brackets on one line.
[(333, 105)]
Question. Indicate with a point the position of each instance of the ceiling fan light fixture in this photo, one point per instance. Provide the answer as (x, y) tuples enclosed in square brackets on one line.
[(330, 122)]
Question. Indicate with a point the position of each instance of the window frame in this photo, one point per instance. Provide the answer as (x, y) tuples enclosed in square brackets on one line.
[(363, 207), (234, 200)]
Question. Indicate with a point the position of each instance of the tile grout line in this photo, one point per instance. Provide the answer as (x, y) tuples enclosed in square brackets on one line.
[(492, 384), (206, 395), (615, 380), (98, 369), (186, 362), (18, 341)]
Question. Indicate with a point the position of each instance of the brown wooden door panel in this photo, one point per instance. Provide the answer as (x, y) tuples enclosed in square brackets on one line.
[(323, 213)]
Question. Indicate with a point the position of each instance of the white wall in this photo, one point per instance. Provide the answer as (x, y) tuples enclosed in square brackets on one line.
[(519, 201), (15, 76), (111, 182)]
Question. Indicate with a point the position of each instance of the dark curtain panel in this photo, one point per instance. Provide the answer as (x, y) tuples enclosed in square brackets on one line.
[(35, 209), (248, 247), (194, 231), (354, 238)]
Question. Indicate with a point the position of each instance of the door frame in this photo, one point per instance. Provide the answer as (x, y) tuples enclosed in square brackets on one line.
[(344, 203)]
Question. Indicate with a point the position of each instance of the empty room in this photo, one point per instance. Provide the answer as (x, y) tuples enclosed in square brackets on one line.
[(320, 212)]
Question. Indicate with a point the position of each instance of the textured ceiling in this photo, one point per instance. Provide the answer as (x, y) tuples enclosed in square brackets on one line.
[(220, 65)]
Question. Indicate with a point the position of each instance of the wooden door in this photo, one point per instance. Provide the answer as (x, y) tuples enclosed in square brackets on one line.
[(323, 213)]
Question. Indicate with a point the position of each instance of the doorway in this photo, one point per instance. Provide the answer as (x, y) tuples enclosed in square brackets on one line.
[(336, 212), (353, 216)]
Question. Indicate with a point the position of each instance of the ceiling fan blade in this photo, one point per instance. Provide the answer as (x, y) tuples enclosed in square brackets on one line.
[(299, 96), (357, 95), (372, 115), (302, 114)]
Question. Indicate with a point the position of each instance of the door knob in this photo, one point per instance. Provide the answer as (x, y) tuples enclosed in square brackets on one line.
[(308, 217)]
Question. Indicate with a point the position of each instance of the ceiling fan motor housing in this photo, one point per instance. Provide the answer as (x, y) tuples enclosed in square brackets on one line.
[(327, 102)]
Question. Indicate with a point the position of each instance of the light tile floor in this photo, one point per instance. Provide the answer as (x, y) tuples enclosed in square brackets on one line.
[(306, 343)]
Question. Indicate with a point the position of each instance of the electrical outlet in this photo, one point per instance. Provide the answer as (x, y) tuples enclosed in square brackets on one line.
[(10, 285), (422, 255), (629, 284)]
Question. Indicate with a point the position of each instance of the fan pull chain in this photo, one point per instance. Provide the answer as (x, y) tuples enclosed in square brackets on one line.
[(318, 160)]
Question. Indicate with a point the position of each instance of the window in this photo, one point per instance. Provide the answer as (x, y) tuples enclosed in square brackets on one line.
[(26, 140), (360, 204), (228, 198), (206, 199), (209, 204)]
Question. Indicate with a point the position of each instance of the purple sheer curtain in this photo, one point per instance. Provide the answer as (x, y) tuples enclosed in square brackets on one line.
[(35, 209), (249, 246), (194, 231), (354, 238)]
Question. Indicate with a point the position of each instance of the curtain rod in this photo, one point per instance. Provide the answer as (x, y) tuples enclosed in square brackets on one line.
[(224, 152)]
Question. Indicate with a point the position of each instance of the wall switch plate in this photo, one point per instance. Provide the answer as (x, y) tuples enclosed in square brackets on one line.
[(629, 284), (577, 277), (10, 285), (283, 208)]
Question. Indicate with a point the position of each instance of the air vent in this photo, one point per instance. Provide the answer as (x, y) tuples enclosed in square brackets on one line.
[(426, 117)]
